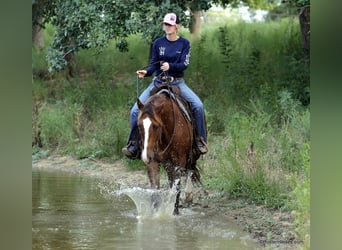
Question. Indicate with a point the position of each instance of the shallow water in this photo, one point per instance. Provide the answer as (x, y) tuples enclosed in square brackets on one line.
[(73, 212)]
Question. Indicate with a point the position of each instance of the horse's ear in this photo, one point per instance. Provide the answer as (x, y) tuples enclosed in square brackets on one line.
[(140, 105)]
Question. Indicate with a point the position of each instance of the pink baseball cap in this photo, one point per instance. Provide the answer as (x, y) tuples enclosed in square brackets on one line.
[(170, 18)]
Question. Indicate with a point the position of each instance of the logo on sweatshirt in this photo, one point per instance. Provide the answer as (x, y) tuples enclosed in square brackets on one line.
[(161, 51)]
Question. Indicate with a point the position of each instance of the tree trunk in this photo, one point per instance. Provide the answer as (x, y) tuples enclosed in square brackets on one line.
[(304, 20), (195, 23), (70, 68), (37, 36)]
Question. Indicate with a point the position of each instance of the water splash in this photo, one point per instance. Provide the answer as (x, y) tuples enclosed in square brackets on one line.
[(152, 203)]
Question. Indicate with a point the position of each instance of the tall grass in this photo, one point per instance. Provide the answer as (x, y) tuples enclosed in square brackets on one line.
[(84, 119), (254, 82), (254, 154)]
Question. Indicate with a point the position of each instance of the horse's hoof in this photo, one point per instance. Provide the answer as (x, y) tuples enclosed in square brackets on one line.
[(156, 200)]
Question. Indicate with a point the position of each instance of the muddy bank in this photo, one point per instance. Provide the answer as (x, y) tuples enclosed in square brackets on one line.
[(273, 229)]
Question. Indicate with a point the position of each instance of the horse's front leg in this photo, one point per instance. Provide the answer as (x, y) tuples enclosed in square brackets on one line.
[(176, 210), (153, 172), (188, 189), (175, 180)]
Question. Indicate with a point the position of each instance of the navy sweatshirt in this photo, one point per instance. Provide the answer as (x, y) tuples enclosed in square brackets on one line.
[(176, 53)]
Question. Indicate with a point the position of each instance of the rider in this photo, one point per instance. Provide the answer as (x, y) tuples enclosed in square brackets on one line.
[(171, 56)]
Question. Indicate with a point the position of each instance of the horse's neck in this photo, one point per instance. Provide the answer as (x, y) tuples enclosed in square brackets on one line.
[(168, 115)]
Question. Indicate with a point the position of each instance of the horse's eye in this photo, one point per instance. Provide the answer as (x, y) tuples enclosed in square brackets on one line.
[(154, 127)]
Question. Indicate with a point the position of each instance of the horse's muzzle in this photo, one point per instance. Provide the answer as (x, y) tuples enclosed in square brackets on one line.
[(147, 157)]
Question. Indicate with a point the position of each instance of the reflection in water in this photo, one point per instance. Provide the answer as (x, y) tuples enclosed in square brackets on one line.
[(73, 212)]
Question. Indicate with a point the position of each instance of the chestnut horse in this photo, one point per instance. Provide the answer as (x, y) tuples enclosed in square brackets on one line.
[(167, 137)]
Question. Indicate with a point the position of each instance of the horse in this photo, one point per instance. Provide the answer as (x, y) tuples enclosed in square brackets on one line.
[(167, 139)]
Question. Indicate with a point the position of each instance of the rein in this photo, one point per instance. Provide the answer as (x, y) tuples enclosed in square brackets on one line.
[(160, 62), (174, 120)]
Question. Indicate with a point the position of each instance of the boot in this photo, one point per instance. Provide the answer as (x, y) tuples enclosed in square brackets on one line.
[(201, 145), (132, 151)]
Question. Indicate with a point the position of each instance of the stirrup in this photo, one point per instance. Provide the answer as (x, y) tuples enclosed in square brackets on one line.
[(131, 151), (201, 145)]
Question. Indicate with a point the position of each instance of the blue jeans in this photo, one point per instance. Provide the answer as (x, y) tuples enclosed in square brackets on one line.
[(196, 106)]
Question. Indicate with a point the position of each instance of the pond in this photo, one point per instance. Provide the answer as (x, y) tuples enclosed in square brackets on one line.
[(75, 212)]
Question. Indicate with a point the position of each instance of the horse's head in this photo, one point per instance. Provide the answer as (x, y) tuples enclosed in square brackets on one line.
[(150, 128)]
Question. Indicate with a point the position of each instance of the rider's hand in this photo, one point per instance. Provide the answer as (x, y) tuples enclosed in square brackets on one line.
[(165, 66), (141, 73)]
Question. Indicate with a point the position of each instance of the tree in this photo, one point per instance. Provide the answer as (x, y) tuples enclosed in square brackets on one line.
[(42, 11), (254, 4), (195, 14), (84, 24), (301, 8), (196, 6), (92, 23)]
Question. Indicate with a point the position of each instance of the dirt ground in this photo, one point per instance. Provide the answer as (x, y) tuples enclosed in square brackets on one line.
[(271, 228)]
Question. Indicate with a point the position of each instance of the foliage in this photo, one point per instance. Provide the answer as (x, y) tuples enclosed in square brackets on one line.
[(254, 4), (43, 11), (254, 156), (241, 62), (297, 3), (84, 123), (260, 59), (92, 24), (287, 8), (300, 197)]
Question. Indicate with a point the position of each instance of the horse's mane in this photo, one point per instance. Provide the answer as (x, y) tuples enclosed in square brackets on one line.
[(173, 93), (153, 106), (153, 103), (148, 108)]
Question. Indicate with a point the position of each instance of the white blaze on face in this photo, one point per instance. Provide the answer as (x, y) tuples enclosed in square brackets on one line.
[(146, 124)]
